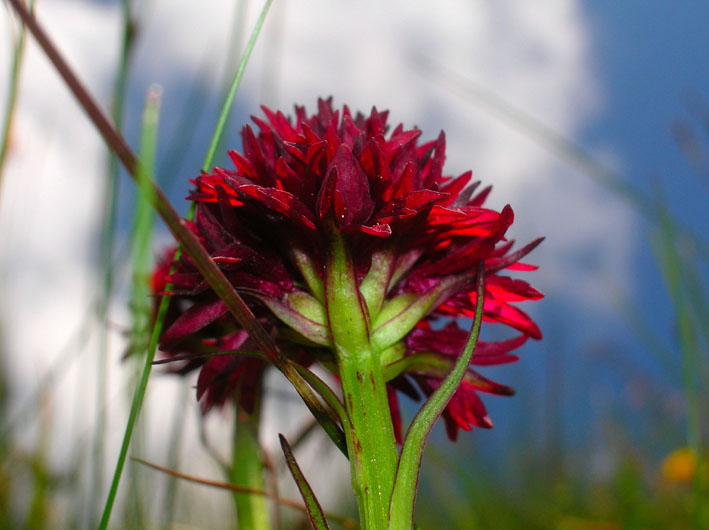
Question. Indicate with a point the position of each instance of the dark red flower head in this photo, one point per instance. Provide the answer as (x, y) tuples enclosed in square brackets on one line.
[(417, 238)]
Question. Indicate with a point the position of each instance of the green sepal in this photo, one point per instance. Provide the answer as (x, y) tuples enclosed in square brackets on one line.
[(300, 312), (399, 316), (391, 357), (308, 269), (346, 310), (308, 306), (403, 496), (375, 284)]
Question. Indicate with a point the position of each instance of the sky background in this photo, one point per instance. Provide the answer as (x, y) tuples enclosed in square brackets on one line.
[(612, 78)]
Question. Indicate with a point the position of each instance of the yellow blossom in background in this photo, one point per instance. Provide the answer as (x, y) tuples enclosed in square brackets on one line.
[(679, 466)]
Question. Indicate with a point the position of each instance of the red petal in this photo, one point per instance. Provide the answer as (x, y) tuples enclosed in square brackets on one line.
[(510, 290), (195, 318), (282, 202), (350, 195), (379, 230)]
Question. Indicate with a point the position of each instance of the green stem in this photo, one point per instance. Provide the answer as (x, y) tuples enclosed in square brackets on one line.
[(247, 470), (370, 440), (370, 435)]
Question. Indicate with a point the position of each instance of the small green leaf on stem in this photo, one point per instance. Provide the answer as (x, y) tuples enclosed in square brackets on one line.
[(403, 497), (315, 513)]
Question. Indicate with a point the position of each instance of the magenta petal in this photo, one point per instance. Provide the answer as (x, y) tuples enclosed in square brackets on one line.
[(496, 264), (488, 353), (281, 202), (353, 204), (436, 166), (512, 316), (195, 318), (252, 151), (414, 201), (379, 230), (511, 289)]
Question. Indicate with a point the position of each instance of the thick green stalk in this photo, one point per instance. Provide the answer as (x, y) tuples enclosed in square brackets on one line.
[(370, 437), (370, 440), (247, 470)]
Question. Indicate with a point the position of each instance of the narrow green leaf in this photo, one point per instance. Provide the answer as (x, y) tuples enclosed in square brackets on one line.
[(403, 498), (226, 108), (301, 312), (330, 398), (315, 513), (146, 190), (106, 251), (11, 105)]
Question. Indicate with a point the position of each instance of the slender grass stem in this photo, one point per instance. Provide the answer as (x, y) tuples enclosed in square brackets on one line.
[(668, 255), (12, 94), (145, 170), (229, 100), (106, 250)]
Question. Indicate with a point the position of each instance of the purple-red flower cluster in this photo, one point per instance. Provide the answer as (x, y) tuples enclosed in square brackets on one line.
[(266, 223)]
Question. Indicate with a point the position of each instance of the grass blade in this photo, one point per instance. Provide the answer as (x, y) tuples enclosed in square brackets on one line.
[(146, 189), (403, 497), (14, 80), (315, 513), (668, 257), (226, 108), (106, 250)]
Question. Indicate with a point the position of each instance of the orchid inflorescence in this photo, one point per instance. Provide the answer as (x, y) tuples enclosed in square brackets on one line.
[(354, 250)]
